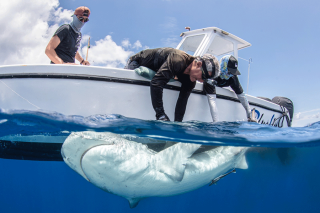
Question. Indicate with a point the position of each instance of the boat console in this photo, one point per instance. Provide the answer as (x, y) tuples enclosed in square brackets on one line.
[(211, 40)]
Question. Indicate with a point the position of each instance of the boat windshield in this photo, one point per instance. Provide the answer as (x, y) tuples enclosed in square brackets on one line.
[(220, 46), (191, 44)]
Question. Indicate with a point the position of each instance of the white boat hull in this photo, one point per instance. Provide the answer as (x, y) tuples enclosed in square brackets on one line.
[(79, 90)]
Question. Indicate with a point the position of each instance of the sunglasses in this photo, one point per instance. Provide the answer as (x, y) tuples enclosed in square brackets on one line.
[(204, 77), (83, 19), (205, 74)]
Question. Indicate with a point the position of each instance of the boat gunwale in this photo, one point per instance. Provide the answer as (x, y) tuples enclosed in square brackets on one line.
[(72, 76)]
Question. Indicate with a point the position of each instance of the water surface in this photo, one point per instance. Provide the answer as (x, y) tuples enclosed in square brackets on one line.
[(282, 175)]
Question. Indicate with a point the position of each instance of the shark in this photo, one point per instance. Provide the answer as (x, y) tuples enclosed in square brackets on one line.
[(124, 166)]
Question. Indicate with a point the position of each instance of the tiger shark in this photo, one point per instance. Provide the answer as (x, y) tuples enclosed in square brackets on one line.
[(124, 167)]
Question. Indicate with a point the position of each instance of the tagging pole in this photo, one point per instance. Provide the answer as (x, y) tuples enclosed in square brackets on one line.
[(88, 49), (250, 60)]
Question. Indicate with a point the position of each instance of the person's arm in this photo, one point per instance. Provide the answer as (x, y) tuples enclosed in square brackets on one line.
[(81, 60), (157, 84), (50, 50), (185, 91), (51, 53), (176, 64), (237, 88), (212, 100), (243, 100), (210, 91)]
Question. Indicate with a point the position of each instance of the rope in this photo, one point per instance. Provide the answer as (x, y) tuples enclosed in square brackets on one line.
[(281, 118), (243, 59), (249, 61), (20, 96)]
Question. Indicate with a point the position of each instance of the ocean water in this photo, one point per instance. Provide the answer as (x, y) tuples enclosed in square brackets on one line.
[(282, 175)]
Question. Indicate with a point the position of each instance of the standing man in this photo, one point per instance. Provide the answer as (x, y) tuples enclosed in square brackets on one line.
[(63, 46), (228, 77), (171, 63)]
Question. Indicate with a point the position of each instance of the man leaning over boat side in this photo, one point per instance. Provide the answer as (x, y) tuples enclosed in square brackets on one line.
[(170, 63), (63, 46), (227, 77)]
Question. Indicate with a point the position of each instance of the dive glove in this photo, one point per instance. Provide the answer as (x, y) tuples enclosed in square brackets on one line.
[(252, 117)]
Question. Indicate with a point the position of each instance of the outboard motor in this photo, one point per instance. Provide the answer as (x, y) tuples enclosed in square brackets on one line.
[(288, 104)]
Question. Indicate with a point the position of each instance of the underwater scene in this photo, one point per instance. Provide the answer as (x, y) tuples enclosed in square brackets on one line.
[(110, 163)]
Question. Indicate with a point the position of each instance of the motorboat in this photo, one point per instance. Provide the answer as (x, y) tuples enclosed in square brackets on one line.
[(91, 90)]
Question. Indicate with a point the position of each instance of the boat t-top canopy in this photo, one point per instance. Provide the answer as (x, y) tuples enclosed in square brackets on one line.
[(211, 40)]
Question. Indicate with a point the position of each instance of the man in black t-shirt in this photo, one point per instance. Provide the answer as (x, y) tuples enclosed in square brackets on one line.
[(63, 46), (171, 63)]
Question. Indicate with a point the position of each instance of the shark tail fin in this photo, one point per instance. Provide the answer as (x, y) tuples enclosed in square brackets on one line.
[(242, 164), (133, 202)]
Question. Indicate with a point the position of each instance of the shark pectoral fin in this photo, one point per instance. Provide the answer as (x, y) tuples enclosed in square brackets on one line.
[(242, 164), (133, 202), (175, 174), (173, 160)]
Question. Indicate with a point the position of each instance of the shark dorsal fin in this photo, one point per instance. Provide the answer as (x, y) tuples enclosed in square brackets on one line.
[(173, 160)]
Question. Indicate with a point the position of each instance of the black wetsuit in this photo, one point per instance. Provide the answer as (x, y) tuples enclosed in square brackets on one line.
[(69, 43), (168, 63)]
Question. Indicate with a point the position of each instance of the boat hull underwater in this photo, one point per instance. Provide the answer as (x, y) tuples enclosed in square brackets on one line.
[(89, 90)]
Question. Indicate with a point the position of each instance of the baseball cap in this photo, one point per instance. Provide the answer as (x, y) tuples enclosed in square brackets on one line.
[(82, 11), (228, 67), (232, 65)]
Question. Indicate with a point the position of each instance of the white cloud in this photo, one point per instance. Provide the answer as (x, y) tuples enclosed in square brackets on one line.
[(27, 28), (126, 43), (170, 42), (107, 53), (62, 15), (137, 45), (170, 27), (84, 40), (315, 113), (301, 119), (170, 24)]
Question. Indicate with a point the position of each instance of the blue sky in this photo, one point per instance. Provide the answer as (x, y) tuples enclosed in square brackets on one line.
[(284, 36)]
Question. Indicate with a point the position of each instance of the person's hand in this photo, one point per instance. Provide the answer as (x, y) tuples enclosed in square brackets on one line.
[(85, 62), (161, 115), (251, 115), (211, 82), (252, 120)]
